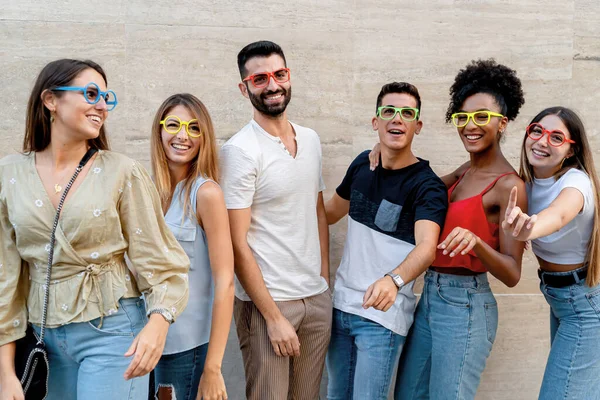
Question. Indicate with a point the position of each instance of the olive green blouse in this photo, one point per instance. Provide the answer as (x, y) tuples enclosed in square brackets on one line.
[(115, 210)]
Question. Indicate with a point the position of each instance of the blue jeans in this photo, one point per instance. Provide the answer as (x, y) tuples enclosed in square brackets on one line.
[(87, 362), (362, 358), (573, 368), (181, 372), (450, 340)]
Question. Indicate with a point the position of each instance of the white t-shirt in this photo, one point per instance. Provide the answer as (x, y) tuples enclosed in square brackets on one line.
[(570, 244), (257, 171)]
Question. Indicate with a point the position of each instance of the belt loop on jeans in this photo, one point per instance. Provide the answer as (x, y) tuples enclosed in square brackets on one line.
[(479, 280), (575, 276), (541, 275)]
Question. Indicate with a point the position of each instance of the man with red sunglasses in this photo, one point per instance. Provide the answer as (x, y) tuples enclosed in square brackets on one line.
[(272, 181)]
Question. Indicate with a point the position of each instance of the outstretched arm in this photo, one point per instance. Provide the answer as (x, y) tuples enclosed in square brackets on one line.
[(559, 213), (381, 295)]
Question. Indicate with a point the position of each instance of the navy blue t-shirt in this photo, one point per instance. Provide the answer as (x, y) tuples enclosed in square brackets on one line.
[(384, 206), (391, 201)]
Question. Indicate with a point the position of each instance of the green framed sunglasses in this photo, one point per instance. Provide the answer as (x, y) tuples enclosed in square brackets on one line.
[(407, 114)]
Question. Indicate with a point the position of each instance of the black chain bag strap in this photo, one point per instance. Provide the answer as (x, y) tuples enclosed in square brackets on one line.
[(31, 357)]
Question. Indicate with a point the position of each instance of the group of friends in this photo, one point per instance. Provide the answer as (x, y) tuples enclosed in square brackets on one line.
[(147, 271)]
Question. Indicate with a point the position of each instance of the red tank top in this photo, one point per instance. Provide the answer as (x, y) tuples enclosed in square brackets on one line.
[(469, 214)]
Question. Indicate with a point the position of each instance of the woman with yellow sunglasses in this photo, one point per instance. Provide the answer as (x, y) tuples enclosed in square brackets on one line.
[(185, 167), (457, 317)]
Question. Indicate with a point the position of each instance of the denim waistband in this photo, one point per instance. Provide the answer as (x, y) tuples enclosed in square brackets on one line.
[(463, 281)]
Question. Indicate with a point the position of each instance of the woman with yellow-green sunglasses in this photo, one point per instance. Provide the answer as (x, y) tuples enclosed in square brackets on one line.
[(457, 316)]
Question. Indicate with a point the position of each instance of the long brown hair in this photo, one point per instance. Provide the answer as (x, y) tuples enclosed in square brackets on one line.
[(581, 159), (37, 125), (206, 163)]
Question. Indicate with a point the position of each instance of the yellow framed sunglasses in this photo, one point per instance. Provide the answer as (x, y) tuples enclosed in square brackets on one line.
[(172, 124), (480, 118)]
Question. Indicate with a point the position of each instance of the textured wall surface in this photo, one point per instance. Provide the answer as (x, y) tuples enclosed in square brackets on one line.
[(340, 52)]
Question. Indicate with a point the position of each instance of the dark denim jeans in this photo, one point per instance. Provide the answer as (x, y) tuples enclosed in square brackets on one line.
[(181, 372)]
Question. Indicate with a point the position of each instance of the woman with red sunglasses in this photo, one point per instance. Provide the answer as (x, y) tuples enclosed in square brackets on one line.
[(563, 226)]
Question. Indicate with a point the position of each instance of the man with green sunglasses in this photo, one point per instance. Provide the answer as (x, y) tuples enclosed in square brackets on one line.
[(394, 217)]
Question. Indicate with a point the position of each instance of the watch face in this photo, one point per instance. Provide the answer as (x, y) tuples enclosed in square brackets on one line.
[(398, 281)]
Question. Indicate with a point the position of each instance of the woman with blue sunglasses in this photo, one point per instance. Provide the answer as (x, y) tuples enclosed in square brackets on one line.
[(99, 338)]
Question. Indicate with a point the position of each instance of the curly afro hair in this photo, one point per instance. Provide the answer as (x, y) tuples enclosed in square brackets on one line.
[(487, 76)]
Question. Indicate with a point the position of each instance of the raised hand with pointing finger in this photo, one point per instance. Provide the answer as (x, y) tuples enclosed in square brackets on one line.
[(516, 223)]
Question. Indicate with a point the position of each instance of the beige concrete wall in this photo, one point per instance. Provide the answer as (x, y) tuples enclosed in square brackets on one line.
[(340, 53)]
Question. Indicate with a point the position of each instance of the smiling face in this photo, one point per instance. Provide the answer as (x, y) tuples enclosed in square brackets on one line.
[(73, 114), (271, 100), (476, 138), (545, 159), (180, 149), (397, 134)]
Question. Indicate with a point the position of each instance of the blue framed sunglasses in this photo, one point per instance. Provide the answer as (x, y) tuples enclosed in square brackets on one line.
[(92, 94)]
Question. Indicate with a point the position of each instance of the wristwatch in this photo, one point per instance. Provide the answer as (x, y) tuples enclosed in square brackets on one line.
[(398, 281), (165, 314)]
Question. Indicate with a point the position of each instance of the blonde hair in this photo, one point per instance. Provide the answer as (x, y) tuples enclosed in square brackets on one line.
[(583, 160), (205, 164)]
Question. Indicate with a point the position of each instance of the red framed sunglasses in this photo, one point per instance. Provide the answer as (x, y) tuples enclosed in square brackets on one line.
[(261, 79), (556, 137)]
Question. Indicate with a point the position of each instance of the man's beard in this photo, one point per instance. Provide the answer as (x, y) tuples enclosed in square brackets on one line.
[(270, 110)]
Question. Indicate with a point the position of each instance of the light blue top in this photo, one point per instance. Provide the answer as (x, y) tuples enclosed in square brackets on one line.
[(192, 327)]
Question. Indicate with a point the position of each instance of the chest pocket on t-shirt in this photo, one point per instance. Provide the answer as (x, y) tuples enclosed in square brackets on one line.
[(387, 216), (186, 236)]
